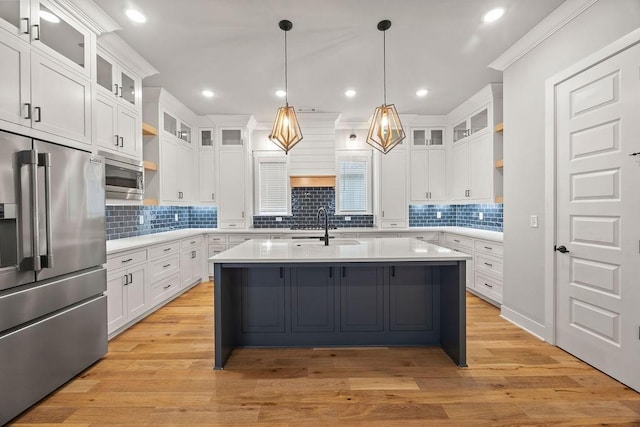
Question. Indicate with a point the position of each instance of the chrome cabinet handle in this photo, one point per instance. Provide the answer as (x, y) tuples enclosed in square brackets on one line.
[(44, 160), (28, 109), (115, 89), (130, 277), (36, 28), (213, 196), (193, 254), (122, 141), (117, 138), (39, 119), (120, 91), (126, 279)]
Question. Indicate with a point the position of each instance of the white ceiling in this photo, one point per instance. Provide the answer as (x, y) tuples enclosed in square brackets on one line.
[(235, 49)]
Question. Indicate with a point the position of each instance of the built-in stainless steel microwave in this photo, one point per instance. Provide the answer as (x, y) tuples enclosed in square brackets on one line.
[(124, 178)]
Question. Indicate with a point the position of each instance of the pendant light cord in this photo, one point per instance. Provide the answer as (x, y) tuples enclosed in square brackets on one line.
[(384, 65), (286, 88)]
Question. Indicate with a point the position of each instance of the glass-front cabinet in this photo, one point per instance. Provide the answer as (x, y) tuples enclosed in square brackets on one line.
[(427, 137), (231, 137), (14, 17), (206, 138), (175, 127), (475, 123), (115, 79)]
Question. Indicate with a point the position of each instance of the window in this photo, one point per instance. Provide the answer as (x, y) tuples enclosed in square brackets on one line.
[(273, 195), (353, 192)]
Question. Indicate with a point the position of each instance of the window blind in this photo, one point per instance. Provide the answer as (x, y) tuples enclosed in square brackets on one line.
[(353, 185), (274, 190)]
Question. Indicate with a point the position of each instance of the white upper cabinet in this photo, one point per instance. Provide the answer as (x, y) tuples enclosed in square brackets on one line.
[(393, 189), (175, 128), (231, 175), (428, 165), (114, 79), (475, 148), (118, 129), (206, 138), (230, 137), (207, 167), (15, 87)]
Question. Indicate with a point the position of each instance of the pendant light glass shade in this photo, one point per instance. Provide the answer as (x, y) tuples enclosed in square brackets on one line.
[(286, 130), (385, 131)]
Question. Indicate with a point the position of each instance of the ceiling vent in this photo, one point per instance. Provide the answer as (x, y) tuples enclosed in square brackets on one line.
[(307, 110)]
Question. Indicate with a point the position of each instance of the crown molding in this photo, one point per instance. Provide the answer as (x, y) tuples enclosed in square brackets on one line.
[(555, 21), (89, 14), (114, 45)]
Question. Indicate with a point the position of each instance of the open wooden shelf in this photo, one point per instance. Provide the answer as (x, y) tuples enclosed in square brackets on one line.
[(150, 202), (149, 130), (499, 127), (150, 166), (499, 199), (499, 164)]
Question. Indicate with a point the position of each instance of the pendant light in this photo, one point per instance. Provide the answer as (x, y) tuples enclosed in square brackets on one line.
[(286, 129), (386, 130)]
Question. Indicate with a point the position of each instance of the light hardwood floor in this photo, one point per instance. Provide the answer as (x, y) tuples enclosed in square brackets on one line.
[(159, 372)]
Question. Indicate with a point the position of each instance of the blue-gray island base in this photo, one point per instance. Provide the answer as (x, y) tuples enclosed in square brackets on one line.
[(345, 301)]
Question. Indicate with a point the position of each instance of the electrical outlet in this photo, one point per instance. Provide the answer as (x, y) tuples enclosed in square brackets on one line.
[(141, 219), (480, 216), (347, 218), (438, 215), (176, 217), (533, 221), (278, 219)]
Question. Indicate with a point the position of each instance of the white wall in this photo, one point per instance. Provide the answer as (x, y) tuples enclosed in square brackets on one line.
[(524, 143)]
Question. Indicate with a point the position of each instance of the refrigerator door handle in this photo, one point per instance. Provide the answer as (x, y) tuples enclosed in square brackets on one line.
[(44, 160), (30, 158)]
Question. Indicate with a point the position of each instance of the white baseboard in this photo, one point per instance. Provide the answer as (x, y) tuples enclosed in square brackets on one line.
[(534, 328)]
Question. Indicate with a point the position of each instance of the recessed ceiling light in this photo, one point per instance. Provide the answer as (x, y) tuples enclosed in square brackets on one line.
[(136, 15), (49, 17), (280, 93), (350, 93), (422, 92), (207, 93), (493, 15)]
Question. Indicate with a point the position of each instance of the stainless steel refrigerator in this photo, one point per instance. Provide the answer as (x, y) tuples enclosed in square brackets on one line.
[(53, 314)]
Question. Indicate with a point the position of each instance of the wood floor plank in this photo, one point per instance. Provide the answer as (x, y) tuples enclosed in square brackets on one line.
[(160, 373)]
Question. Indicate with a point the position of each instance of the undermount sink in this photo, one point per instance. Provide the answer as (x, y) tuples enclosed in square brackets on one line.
[(332, 242)]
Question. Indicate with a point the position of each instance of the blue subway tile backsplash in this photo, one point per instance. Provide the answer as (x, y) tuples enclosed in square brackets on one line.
[(123, 221), (305, 202), (457, 215)]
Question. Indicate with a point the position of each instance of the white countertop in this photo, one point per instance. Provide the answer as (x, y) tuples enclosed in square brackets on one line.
[(386, 249), (130, 243)]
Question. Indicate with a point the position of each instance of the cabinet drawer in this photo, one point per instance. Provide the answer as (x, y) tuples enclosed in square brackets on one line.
[(165, 249), (488, 247), (192, 242), (393, 224), (488, 286), (164, 267), (278, 236), (455, 239), (214, 238), (130, 258), (240, 238), (163, 289), (231, 224), (487, 263), (425, 237)]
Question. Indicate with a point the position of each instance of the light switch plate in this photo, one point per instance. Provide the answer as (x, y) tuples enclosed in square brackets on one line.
[(278, 219), (347, 218), (533, 221)]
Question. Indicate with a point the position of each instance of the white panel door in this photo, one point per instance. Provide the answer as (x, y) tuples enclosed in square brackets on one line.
[(419, 175), (136, 292), (61, 100), (231, 189), (598, 203), (14, 80), (393, 170), (437, 175), (116, 301), (480, 168), (459, 171), (207, 176), (106, 123), (169, 171), (130, 130)]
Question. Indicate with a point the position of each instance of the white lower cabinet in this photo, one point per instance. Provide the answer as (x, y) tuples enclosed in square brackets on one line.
[(191, 263), (126, 295), (484, 271), (141, 280)]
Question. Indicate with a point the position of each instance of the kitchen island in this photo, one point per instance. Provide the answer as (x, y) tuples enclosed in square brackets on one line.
[(353, 292)]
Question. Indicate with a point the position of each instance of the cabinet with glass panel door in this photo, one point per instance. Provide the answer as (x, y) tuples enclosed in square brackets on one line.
[(427, 165), (46, 72)]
